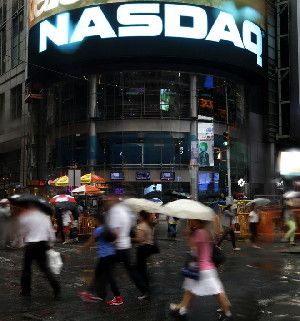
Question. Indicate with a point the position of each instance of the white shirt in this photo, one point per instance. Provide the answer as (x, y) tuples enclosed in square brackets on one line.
[(35, 226), (253, 217), (66, 217), (119, 218)]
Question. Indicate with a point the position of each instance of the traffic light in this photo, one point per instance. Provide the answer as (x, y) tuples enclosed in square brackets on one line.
[(225, 139)]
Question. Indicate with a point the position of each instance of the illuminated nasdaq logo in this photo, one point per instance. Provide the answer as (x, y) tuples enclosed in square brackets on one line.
[(144, 20)]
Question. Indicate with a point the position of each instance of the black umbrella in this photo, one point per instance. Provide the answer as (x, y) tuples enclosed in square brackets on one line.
[(66, 206), (24, 199)]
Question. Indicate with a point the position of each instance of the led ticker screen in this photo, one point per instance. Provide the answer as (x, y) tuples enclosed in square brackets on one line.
[(83, 35)]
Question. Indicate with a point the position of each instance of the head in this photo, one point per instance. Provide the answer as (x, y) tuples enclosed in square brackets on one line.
[(146, 217)]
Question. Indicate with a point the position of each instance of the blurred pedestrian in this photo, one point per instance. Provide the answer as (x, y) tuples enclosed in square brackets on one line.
[(120, 222), (145, 248), (208, 282), (290, 222), (226, 222), (253, 224), (172, 226), (67, 222), (4, 222), (105, 264), (37, 232)]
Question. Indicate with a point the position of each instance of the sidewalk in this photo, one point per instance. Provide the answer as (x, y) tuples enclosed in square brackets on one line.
[(263, 284)]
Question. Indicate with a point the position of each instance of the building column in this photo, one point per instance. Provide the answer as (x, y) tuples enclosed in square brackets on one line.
[(194, 167), (92, 115)]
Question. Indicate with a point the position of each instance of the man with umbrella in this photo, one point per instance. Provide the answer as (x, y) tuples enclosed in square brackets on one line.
[(37, 231)]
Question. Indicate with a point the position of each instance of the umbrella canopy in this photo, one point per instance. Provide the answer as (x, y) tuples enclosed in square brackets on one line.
[(86, 190), (66, 206), (188, 209), (141, 204), (291, 194), (259, 202), (92, 179), (62, 181), (43, 205), (4, 201), (62, 198)]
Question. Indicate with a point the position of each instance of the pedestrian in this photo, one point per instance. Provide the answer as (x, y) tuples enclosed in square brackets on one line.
[(37, 232), (208, 282), (4, 222), (253, 223), (290, 222), (104, 268), (226, 222), (67, 223), (119, 220), (172, 226), (145, 247)]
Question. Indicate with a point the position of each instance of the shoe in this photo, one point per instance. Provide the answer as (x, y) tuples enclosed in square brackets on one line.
[(237, 249), (144, 297), (117, 300), (89, 297), (223, 317), (181, 311), (256, 246)]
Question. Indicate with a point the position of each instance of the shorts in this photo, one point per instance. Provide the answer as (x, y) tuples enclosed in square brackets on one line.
[(208, 284)]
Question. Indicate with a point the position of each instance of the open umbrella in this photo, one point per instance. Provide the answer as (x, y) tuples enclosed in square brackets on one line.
[(62, 181), (62, 199), (259, 202), (291, 194), (188, 209), (86, 190), (92, 179), (141, 204), (24, 199)]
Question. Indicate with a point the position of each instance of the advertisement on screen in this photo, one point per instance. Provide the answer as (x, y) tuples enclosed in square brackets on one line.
[(80, 35), (289, 163), (206, 144)]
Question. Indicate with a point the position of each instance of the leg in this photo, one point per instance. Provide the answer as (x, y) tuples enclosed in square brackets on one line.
[(290, 235), (185, 301), (141, 264), (252, 231), (223, 237), (224, 303), (110, 276), (26, 273), (41, 258), (100, 279), (232, 234)]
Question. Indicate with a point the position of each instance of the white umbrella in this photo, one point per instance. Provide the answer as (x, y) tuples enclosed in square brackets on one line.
[(259, 202), (141, 204), (188, 209), (291, 194)]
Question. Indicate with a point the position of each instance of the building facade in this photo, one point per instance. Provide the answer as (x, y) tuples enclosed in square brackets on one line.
[(148, 109)]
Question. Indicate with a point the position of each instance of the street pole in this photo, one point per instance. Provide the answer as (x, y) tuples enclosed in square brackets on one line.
[(228, 146), (194, 167), (92, 115)]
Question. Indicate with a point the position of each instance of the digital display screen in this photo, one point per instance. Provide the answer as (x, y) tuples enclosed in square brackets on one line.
[(142, 176), (208, 183), (117, 176), (167, 176), (81, 35), (153, 188)]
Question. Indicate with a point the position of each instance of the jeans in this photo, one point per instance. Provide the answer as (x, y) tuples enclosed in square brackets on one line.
[(37, 252), (253, 230), (172, 230), (228, 231), (123, 256), (103, 275), (142, 254), (290, 235)]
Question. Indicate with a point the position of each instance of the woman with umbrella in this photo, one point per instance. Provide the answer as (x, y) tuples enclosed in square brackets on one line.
[(205, 280), (291, 200)]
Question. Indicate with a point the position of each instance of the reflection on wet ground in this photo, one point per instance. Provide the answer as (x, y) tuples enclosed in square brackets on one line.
[(262, 285)]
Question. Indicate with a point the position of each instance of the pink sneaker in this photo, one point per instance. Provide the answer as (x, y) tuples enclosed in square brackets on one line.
[(89, 297), (118, 300)]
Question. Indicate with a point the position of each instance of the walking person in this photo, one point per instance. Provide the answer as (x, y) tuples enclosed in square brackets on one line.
[(253, 223), (67, 222), (105, 264), (4, 223), (119, 220), (208, 282), (37, 232), (226, 222), (172, 226), (145, 248), (290, 222)]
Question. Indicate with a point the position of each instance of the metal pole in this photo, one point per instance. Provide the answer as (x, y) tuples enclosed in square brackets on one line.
[(228, 146), (194, 167), (92, 114)]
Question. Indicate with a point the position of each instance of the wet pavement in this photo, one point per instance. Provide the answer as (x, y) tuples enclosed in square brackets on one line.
[(263, 284)]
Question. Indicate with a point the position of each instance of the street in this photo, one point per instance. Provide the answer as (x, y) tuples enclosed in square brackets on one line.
[(263, 284)]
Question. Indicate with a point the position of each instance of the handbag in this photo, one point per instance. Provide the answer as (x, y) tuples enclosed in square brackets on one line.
[(218, 256), (191, 268), (55, 262)]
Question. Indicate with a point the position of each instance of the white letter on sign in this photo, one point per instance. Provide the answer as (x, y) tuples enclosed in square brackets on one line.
[(58, 34), (249, 29), (218, 31), (100, 27), (173, 27), (139, 25)]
